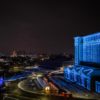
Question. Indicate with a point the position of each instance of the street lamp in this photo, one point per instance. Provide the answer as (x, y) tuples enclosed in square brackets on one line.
[(47, 88)]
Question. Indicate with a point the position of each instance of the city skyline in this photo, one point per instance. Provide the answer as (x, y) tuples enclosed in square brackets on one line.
[(47, 27)]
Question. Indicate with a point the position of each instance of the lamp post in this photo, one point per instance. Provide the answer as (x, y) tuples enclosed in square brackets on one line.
[(47, 90)]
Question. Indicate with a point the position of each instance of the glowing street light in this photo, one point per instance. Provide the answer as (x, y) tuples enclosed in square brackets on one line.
[(47, 88)]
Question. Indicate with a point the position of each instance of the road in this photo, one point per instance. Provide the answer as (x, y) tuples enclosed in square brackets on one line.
[(37, 84), (76, 91)]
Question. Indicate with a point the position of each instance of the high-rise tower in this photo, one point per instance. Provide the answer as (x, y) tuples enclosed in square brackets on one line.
[(14, 54)]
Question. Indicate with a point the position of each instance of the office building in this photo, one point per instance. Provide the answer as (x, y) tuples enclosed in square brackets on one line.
[(86, 69), (87, 49)]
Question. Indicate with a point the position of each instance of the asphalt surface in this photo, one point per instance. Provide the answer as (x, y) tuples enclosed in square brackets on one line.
[(76, 91)]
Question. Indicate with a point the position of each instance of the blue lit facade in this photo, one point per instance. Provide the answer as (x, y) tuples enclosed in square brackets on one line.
[(78, 50), (1, 80), (87, 50), (97, 86), (83, 76), (1, 83)]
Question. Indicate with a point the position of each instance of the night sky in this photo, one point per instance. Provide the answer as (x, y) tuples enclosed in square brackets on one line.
[(46, 27)]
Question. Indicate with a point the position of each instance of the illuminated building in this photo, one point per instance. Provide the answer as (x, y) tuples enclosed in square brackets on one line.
[(86, 70), (14, 54), (87, 49), (1, 80), (84, 76), (78, 50), (97, 86)]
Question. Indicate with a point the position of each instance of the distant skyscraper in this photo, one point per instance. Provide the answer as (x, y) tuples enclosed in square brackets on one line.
[(14, 54)]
